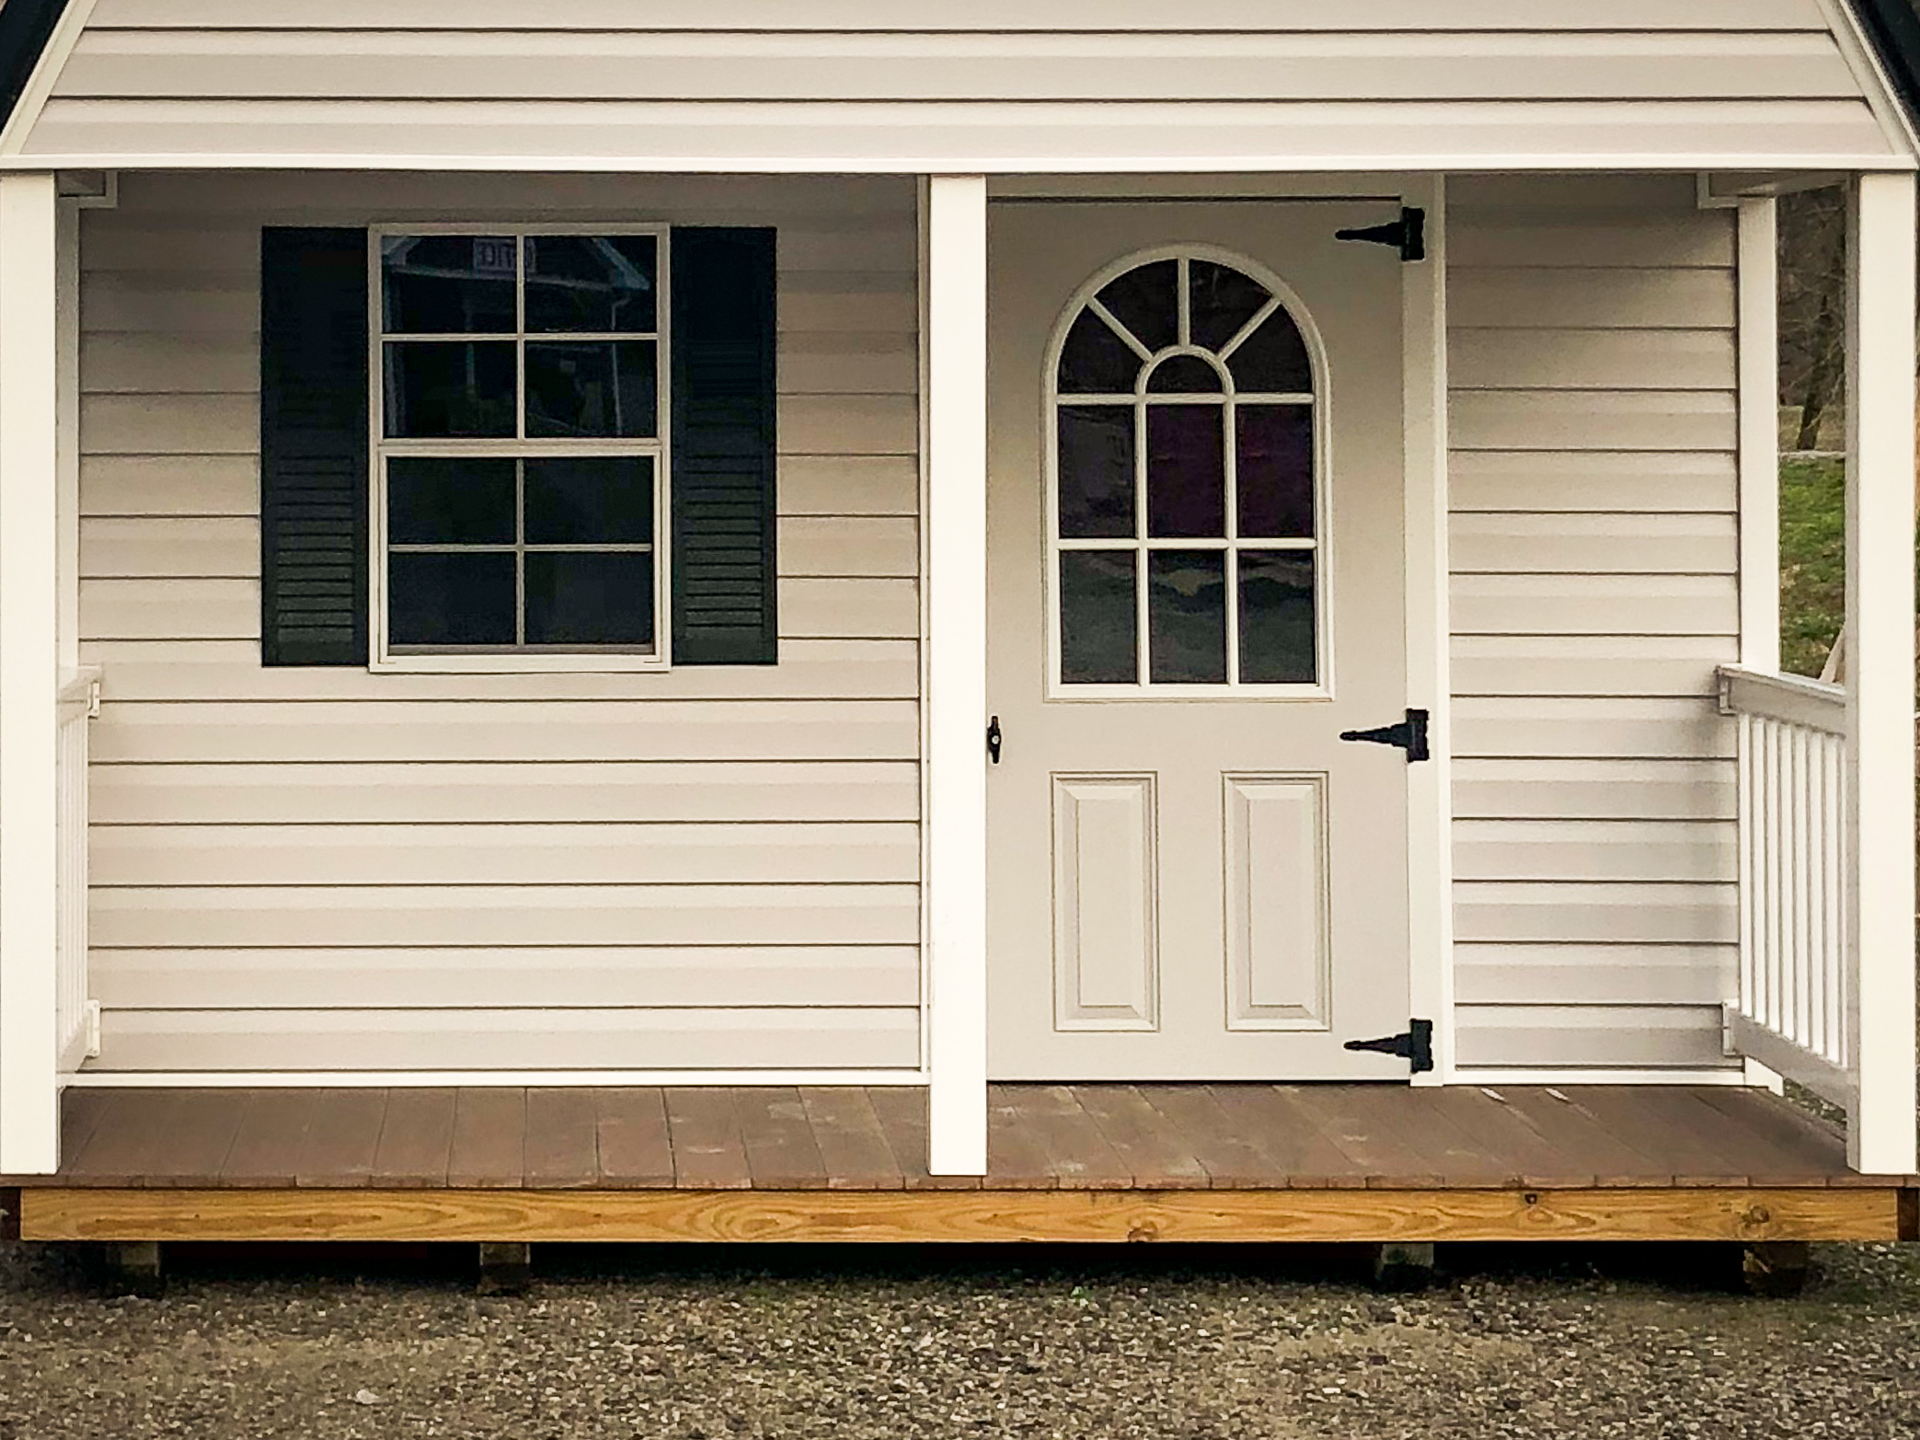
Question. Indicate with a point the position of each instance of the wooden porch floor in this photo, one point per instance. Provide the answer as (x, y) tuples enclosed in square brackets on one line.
[(1080, 1161)]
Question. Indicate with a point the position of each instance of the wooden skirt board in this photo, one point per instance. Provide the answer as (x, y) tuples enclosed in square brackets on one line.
[(887, 1216)]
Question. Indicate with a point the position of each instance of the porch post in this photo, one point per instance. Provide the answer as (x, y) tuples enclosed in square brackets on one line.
[(29, 673), (1880, 689), (955, 257)]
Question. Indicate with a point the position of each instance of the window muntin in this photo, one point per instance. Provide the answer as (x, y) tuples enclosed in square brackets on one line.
[(1185, 458), (519, 427)]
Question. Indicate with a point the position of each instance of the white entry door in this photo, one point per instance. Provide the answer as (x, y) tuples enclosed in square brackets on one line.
[(1196, 583)]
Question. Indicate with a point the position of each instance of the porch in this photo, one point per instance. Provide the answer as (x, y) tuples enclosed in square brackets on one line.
[(1111, 1162)]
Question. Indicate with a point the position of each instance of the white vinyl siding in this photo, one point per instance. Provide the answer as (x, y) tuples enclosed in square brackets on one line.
[(325, 869), (1594, 549), (917, 84)]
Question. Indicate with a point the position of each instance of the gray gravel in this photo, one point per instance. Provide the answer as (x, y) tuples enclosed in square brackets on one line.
[(1165, 1343)]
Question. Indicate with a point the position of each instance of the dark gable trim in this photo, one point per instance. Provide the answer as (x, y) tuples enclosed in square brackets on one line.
[(25, 28), (1894, 30)]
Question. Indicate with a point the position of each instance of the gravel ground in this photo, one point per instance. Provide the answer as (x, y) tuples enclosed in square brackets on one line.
[(1168, 1343)]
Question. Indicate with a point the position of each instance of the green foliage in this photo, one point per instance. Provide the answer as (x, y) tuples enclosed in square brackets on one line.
[(1813, 583)]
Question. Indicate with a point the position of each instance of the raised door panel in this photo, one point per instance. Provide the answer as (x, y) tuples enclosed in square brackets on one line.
[(1105, 946), (1279, 961)]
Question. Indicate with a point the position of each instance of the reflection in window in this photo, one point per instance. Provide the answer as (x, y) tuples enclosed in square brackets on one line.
[(1184, 505), (521, 380)]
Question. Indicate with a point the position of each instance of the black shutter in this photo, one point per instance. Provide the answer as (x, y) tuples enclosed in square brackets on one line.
[(313, 447), (723, 447)]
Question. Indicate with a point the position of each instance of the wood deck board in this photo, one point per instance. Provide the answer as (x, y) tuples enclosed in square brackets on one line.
[(416, 1139), (265, 1153), (853, 1147), (782, 1153), (563, 1145), (709, 1152), (1149, 1137), (489, 1138), (635, 1150)]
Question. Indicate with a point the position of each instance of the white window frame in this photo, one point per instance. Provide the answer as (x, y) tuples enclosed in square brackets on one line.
[(382, 448), (1283, 298)]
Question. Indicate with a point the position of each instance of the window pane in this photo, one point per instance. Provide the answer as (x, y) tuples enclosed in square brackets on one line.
[(594, 500), (459, 284), (1144, 301), (594, 283), (592, 599), (1221, 301), (1274, 470), (452, 388), (600, 388), (1096, 471), (1095, 361), (1187, 617), (1184, 375), (1276, 617), (1273, 359), (1098, 619), (448, 598), (449, 502), (1186, 471)]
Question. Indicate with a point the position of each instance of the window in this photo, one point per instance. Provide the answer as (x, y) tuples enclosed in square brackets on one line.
[(520, 447), (1185, 460)]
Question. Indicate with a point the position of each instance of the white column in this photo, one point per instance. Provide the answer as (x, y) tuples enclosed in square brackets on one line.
[(1880, 602), (955, 256), (1757, 277), (29, 674)]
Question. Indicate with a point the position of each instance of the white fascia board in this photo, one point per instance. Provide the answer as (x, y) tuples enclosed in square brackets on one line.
[(33, 96), (947, 164), (1864, 61)]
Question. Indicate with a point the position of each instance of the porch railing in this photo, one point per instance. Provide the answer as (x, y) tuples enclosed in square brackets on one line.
[(1796, 1013), (76, 1016)]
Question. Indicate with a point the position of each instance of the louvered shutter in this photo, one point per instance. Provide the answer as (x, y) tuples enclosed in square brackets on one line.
[(313, 447), (723, 447)]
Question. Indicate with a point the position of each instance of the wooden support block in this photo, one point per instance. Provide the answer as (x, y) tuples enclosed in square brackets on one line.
[(1403, 1265), (506, 1267), (1775, 1269), (1373, 1216), (133, 1268)]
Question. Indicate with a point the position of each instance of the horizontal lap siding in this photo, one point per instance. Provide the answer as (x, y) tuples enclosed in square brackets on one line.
[(324, 869), (1000, 85), (1594, 553)]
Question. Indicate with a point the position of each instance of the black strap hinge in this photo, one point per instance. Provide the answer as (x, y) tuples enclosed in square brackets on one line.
[(1410, 735), (1408, 234), (1415, 1044)]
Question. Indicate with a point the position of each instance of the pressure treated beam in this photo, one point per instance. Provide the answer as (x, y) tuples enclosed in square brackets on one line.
[(1748, 1214)]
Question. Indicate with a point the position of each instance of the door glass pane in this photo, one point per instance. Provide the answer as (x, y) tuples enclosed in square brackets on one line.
[(1222, 301), (1145, 300), (1273, 360), (435, 501), (1096, 471), (455, 388), (1186, 471), (1095, 361), (447, 284), (599, 388), (1187, 616), (1273, 459), (1276, 617), (1098, 619), (450, 598), (1184, 375), (591, 500), (590, 598), (596, 284)]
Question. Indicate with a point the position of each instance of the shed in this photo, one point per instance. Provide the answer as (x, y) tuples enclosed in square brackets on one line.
[(1010, 620)]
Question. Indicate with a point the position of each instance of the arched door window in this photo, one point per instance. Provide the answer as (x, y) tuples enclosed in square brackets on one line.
[(1184, 523)]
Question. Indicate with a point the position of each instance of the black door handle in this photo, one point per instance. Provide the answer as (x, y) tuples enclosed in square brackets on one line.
[(993, 739)]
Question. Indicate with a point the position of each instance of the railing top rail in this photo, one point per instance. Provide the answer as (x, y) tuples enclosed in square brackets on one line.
[(1791, 698)]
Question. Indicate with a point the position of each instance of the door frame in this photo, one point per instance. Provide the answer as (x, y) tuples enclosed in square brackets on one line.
[(954, 1011)]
